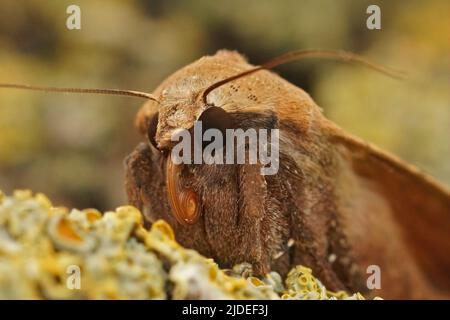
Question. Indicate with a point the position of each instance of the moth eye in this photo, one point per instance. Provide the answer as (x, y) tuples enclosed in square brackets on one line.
[(183, 201), (216, 118), (151, 131)]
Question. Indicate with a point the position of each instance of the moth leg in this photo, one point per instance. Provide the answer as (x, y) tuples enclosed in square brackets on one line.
[(308, 252), (241, 225), (310, 206), (251, 213)]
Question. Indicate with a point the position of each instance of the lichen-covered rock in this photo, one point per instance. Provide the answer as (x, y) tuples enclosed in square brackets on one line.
[(48, 252)]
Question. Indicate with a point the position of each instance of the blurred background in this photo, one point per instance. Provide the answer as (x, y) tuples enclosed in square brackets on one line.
[(71, 147)]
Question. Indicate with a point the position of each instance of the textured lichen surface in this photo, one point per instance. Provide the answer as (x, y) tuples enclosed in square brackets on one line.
[(118, 258)]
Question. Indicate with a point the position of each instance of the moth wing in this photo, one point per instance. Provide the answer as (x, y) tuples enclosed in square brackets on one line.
[(418, 207)]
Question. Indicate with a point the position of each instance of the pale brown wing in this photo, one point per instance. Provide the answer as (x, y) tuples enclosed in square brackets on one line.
[(398, 198)]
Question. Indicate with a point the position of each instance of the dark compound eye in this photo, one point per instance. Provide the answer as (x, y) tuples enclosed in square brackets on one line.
[(151, 131), (217, 118)]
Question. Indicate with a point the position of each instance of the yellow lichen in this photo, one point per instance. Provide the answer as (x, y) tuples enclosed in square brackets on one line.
[(92, 214), (119, 259), (43, 200), (65, 231)]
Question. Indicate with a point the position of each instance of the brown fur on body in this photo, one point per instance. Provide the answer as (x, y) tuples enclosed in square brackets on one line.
[(345, 204)]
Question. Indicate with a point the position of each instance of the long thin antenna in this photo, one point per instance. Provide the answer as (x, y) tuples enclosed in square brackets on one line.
[(301, 54), (117, 92)]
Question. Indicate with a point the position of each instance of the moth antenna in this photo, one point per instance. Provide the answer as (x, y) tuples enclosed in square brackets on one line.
[(301, 54), (117, 92)]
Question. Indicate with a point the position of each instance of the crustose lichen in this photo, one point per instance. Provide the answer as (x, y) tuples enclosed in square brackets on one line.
[(118, 258)]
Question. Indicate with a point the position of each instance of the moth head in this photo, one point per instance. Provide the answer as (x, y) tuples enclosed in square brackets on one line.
[(159, 125), (179, 107)]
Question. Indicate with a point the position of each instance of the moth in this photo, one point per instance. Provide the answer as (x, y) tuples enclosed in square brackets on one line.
[(337, 204)]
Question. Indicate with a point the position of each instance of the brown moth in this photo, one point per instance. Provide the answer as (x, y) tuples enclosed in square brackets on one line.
[(337, 204), (344, 204)]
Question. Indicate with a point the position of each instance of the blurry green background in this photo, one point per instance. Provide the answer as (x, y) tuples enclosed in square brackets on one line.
[(72, 146)]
